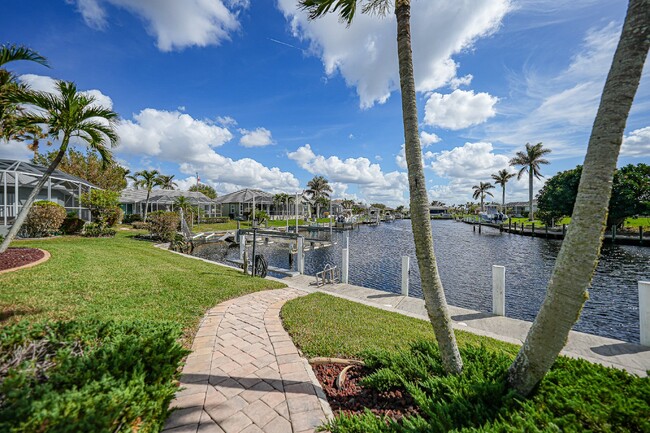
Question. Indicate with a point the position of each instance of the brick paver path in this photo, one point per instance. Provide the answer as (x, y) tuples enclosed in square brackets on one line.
[(245, 374)]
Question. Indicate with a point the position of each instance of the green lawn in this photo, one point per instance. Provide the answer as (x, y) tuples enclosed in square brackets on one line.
[(120, 278), (400, 351), (324, 325)]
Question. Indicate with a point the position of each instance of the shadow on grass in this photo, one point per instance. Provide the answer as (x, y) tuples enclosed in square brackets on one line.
[(8, 312)]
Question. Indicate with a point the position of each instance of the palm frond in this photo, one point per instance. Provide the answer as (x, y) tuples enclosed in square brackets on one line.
[(317, 8), (11, 53)]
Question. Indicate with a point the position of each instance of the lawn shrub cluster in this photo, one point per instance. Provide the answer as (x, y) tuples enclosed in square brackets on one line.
[(163, 225), (93, 230), (104, 206), (87, 376), (72, 224), (131, 218), (44, 219), (574, 396)]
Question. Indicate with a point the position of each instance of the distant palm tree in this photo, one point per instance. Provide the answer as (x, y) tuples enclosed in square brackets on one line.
[(501, 178), (481, 190), (347, 203), (167, 182), (530, 161), (9, 85), (318, 188), (65, 114), (281, 200), (146, 179)]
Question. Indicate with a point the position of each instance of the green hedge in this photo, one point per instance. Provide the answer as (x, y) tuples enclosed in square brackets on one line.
[(574, 396), (87, 376)]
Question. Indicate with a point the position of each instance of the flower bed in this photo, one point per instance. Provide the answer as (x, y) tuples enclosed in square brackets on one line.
[(17, 257)]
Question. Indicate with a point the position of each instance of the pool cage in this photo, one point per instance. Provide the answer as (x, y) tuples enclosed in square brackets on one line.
[(18, 179), (133, 201)]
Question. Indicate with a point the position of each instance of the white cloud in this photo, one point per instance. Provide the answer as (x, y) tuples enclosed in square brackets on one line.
[(468, 165), (455, 83), (373, 183), (637, 143), (459, 109), (174, 24), (428, 138), (43, 83), (258, 138), (226, 121), (559, 109), (378, 158), (177, 137), (365, 54), (181, 108), (15, 150)]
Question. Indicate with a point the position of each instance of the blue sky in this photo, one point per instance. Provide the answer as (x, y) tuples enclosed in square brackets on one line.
[(251, 94)]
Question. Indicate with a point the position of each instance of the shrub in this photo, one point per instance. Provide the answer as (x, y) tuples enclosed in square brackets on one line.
[(131, 218), (72, 224), (87, 376), (574, 396), (140, 225), (163, 225), (92, 230), (104, 206), (44, 219)]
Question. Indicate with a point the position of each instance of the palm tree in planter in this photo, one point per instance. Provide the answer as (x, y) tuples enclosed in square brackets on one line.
[(146, 179), (481, 190), (501, 178), (575, 264), (65, 114), (434, 295), (530, 162), (167, 182), (318, 188)]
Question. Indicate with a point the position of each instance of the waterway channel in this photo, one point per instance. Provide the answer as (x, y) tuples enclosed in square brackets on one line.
[(465, 260)]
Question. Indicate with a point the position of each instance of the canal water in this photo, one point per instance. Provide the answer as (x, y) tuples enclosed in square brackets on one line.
[(465, 260)]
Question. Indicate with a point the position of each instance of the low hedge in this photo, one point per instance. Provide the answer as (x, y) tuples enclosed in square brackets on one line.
[(574, 396), (87, 376)]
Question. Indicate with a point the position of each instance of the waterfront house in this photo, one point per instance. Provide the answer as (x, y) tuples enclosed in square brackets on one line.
[(239, 204), (517, 208), (133, 201), (17, 180)]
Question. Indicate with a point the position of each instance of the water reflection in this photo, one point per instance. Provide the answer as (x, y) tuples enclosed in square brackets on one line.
[(465, 260)]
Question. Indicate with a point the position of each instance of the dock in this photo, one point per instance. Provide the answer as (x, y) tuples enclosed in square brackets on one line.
[(281, 271)]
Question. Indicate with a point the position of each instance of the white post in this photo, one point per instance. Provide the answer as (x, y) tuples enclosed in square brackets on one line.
[(499, 290), (644, 312), (405, 275), (300, 255), (345, 268), (242, 246), (295, 207), (347, 240)]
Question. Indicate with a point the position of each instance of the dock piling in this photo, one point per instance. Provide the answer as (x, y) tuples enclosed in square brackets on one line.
[(300, 255), (405, 275), (345, 267), (499, 290), (242, 246), (644, 312)]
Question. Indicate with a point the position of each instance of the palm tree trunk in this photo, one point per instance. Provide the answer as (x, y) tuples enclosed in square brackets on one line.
[(503, 200), (146, 204), (482, 197), (22, 215), (578, 257), (531, 215), (434, 295)]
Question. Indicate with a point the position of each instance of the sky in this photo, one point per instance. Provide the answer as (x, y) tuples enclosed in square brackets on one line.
[(251, 94)]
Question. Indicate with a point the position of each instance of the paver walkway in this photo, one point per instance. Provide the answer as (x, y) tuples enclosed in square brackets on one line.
[(245, 374)]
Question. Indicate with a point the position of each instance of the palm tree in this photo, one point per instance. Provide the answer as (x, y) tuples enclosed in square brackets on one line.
[(530, 162), (501, 178), (9, 85), (281, 199), (434, 295), (167, 182), (146, 179), (347, 203), (65, 114), (318, 188), (574, 267), (481, 190)]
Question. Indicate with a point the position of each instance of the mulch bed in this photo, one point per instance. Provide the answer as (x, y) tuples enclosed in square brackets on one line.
[(16, 257), (354, 398)]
